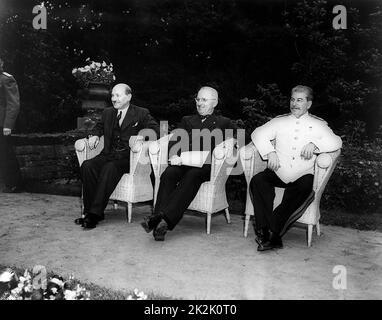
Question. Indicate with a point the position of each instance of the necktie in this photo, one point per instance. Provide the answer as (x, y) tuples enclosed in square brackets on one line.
[(119, 117)]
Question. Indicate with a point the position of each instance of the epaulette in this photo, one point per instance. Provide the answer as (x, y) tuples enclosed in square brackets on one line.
[(283, 115), (318, 118), (7, 74)]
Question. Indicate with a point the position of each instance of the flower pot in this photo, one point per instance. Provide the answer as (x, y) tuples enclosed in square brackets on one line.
[(95, 98)]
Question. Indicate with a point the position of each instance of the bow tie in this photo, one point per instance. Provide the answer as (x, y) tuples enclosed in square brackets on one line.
[(204, 117)]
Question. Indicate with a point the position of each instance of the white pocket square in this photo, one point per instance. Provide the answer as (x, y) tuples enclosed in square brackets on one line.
[(135, 124)]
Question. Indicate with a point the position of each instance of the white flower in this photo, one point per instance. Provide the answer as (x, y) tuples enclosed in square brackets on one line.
[(98, 64), (74, 70), (6, 276), (104, 64), (57, 282), (16, 291), (27, 274), (28, 288), (70, 295)]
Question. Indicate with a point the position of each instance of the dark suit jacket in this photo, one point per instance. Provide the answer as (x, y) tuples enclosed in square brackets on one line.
[(194, 122), (9, 100), (136, 119)]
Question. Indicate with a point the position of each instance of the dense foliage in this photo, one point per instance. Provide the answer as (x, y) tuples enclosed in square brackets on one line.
[(166, 49), (253, 52)]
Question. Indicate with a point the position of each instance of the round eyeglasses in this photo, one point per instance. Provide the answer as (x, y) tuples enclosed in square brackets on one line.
[(204, 100)]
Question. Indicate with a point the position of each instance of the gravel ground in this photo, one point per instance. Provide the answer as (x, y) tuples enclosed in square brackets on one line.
[(39, 229)]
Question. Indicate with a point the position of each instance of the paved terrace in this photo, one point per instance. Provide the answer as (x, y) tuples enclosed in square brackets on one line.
[(39, 229)]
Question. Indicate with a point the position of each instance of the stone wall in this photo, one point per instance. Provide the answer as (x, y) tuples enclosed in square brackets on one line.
[(48, 162), (47, 156)]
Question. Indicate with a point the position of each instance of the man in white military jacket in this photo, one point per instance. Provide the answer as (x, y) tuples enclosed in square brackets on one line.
[(298, 137)]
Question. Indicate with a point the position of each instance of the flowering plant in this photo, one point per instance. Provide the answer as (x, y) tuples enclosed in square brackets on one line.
[(94, 72), (137, 295), (28, 287)]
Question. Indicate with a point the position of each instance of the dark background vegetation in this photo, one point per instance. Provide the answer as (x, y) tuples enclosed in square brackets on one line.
[(253, 52)]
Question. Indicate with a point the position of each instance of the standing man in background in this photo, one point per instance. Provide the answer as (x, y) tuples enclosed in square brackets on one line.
[(9, 109)]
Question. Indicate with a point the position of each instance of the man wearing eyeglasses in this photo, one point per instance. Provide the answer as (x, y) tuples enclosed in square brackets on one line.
[(180, 183)]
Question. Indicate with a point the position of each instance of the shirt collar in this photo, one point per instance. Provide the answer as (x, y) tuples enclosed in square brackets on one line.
[(123, 112), (303, 117)]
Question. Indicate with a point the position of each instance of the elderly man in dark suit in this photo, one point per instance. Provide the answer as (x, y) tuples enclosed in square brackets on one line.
[(9, 109), (101, 174), (180, 183)]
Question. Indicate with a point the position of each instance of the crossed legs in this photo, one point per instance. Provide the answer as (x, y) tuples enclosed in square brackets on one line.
[(262, 191), (178, 187)]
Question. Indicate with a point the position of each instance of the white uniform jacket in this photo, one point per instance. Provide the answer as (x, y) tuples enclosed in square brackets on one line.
[(290, 135)]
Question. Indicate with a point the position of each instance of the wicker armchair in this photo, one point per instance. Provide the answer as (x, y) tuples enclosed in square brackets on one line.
[(252, 164), (211, 197), (133, 187)]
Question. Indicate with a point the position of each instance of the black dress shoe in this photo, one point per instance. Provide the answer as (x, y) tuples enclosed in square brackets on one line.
[(91, 221), (262, 235), (150, 223), (160, 231), (80, 221), (273, 243)]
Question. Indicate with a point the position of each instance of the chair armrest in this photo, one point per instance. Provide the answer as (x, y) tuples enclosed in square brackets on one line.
[(224, 157), (80, 147), (158, 153), (139, 155), (83, 150), (251, 161), (323, 169)]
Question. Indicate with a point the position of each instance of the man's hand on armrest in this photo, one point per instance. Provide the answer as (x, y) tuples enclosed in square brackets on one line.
[(308, 151), (273, 161), (93, 142)]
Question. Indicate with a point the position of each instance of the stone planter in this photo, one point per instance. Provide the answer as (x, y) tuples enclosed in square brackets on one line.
[(95, 98)]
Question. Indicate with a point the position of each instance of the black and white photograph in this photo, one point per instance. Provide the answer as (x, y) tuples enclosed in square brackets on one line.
[(191, 153)]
